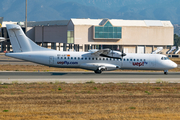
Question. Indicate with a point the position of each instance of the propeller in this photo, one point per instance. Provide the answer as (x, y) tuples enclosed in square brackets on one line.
[(123, 54)]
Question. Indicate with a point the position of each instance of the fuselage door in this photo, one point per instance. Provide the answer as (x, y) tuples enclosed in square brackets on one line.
[(51, 60), (153, 60)]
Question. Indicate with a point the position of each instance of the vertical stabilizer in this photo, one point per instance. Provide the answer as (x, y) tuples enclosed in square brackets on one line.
[(20, 42)]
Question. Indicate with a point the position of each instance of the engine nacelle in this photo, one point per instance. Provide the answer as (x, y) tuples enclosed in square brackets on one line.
[(114, 54)]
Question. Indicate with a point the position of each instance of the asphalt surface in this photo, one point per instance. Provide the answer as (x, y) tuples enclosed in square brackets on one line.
[(82, 77)]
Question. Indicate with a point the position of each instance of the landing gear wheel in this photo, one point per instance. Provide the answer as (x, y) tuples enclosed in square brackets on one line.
[(98, 71), (165, 72)]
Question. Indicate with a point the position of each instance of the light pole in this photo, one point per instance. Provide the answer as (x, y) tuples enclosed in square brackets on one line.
[(26, 18)]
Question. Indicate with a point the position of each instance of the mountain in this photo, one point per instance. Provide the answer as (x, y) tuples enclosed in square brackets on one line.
[(43, 10)]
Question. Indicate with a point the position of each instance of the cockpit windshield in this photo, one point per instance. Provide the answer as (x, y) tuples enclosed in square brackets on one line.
[(164, 58)]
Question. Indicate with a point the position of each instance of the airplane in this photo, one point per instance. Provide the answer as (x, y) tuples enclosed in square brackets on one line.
[(95, 60)]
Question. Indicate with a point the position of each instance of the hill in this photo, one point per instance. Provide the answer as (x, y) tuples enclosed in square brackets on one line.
[(43, 10)]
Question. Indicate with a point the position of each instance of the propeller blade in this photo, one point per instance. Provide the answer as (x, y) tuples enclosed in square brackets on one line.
[(123, 54)]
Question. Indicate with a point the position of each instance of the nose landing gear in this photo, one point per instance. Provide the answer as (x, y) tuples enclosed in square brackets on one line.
[(165, 72)]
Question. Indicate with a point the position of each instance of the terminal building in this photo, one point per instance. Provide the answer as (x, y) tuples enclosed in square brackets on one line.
[(132, 36)]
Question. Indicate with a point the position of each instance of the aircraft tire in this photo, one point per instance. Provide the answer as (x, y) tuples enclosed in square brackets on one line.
[(98, 71), (165, 73)]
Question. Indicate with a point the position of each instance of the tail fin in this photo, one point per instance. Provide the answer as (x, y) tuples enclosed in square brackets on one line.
[(20, 42)]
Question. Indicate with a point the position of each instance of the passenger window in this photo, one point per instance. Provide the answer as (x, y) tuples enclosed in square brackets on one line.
[(71, 57), (99, 58), (85, 58), (120, 59), (81, 58), (130, 59), (61, 57), (127, 59), (68, 57), (92, 58), (89, 58), (124, 59), (75, 58), (96, 58), (78, 58), (106, 58), (134, 59), (140, 59), (162, 58), (64, 57), (103, 59), (137, 59), (144, 59)]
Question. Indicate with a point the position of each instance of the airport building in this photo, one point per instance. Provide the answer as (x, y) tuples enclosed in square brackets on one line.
[(132, 36)]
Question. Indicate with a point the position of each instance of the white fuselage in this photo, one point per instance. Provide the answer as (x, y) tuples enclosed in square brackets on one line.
[(88, 61), (24, 48)]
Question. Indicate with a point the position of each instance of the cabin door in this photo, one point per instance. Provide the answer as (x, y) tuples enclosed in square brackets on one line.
[(153, 61), (51, 60)]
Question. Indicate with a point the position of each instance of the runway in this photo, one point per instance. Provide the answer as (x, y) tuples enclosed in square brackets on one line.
[(82, 77)]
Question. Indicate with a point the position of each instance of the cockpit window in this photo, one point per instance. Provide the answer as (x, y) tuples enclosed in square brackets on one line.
[(164, 58)]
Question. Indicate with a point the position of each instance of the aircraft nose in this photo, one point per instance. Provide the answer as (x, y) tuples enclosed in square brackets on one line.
[(174, 65)]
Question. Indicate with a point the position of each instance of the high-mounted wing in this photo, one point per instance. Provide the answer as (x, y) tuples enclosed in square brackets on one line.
[(99, 52), (107, 53)]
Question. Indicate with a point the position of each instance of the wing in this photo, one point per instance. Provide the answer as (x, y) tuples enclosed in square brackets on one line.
[(99, 52)]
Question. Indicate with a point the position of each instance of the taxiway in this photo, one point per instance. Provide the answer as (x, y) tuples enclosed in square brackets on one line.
[(82, 77)]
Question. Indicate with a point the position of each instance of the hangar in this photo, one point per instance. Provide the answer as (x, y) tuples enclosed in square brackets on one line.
[(133, 36)]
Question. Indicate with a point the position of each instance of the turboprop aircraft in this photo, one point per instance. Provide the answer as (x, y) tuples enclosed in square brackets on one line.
[(96, 60)]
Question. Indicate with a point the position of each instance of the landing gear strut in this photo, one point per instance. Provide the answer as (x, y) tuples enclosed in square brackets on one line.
[(165, 72), (98, 71)]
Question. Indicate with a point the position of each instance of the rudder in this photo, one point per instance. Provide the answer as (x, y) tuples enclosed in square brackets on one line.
[(20, 42)]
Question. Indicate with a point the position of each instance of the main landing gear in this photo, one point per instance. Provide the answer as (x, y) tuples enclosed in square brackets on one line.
[(98, 71), (165, 72)]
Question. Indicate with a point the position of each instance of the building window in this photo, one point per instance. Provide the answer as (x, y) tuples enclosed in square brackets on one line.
[(107, 31), (70, 36)]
